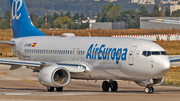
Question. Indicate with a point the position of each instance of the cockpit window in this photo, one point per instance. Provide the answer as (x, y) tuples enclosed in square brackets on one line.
[(146, 53), (149, 53), (163, 53), (155, 53)]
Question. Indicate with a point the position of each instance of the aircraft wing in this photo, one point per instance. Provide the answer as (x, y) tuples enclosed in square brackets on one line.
[(174, 59), (20, 62), (7, 43), (15, 64)]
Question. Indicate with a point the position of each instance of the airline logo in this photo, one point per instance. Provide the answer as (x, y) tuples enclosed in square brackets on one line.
[(16, 5), (104, 53), (34, 44), (30, 45)]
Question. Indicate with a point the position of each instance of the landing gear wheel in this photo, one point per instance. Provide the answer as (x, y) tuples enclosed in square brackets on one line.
[(149, 90), (50, 89), (114, 86), (105, 86), (59, 89)]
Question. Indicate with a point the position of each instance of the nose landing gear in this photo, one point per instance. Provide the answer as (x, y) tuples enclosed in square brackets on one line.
[(149, 89), (111, 84)]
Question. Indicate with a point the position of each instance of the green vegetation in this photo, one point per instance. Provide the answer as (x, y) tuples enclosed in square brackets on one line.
[(108, 13), (56, 20)]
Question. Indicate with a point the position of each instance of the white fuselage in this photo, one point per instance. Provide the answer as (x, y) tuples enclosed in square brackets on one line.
[(105, 57)]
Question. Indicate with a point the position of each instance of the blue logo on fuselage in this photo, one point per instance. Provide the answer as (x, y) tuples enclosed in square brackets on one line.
[(103, 53)]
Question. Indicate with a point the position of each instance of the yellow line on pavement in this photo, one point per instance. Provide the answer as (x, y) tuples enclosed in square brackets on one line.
[(5, 74)]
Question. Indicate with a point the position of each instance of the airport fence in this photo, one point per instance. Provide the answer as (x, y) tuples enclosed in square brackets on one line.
[(160, 37)]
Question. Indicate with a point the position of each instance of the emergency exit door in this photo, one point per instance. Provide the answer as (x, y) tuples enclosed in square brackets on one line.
[(131, 55)]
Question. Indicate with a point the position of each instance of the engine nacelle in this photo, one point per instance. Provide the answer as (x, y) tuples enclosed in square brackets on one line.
[(153, 82), (54, 76)]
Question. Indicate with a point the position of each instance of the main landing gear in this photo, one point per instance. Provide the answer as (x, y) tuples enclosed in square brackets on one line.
[(111, 84), (58, 89), (149, 89)]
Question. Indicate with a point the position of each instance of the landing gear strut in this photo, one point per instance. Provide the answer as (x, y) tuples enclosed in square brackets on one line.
[(149, 89), (111, 84), (58, 89)]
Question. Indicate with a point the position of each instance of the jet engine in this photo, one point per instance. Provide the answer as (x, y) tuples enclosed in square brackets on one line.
[(54, 76), (153, 82)]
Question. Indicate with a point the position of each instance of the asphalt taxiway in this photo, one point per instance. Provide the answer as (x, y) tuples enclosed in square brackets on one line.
[(23, 85)]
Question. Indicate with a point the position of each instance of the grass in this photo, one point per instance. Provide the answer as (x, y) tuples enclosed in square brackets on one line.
[(171, 47), (173, 76)]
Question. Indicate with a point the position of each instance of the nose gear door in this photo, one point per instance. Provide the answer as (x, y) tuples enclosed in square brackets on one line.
[(131, 55)]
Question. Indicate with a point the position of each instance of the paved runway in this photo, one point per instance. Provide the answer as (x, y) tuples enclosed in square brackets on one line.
[(23, 85)]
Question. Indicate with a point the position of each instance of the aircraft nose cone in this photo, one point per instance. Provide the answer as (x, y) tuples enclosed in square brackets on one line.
[(163, 67), (165, 63)]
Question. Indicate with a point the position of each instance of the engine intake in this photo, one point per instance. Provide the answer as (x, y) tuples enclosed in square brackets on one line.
[(54, 76)]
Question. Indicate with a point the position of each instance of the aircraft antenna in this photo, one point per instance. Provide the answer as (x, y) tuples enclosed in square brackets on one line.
[(89, 34)]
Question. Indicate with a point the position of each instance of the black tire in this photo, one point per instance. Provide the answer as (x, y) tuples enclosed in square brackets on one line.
[(114, 86), (147, 90), (50, 89), (151, 90), (59, 89), (105, 86)]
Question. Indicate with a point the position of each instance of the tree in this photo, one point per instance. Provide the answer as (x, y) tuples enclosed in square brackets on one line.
[(113, 13), (76, 17), (167, 12), (176, 13), (55, 16), (68, 14), (5, 21), (130, 17), (98, 19), (7, 15), (155, 14), (84, 25), (156, 7), (104, 11), (63, 20), (34, 19), (143, 11), (110, 5), (62, 14)]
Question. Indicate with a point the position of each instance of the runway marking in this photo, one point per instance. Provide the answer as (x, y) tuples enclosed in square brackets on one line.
[(27, 100), (4, 74), (47, 94)]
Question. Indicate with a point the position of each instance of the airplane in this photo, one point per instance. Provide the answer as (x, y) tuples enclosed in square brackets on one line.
[(58, 59)]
